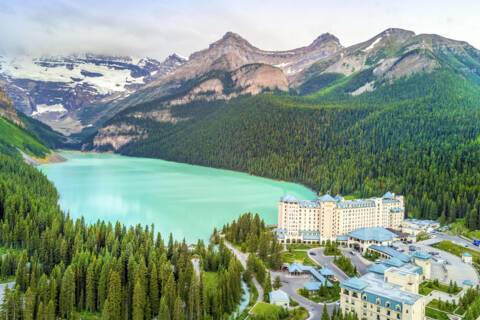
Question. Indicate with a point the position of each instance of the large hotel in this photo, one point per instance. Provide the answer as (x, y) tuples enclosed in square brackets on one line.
[(328, 217)]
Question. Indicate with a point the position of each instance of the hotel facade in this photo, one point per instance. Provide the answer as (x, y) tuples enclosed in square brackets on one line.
[(327, 217), (389, 290)]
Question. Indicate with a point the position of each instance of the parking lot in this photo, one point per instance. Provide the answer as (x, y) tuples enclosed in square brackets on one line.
[(445, 266)]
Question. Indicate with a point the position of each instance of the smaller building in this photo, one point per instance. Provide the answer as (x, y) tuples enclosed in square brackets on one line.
[(279, 298), (316, 275), (362, 239), (415, 226), (467, 257), (327, 273)]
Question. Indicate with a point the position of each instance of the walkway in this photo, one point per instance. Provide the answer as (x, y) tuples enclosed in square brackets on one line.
[(243, 257)]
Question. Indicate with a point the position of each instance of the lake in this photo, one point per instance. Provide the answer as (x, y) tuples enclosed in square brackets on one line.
[(187, 200)]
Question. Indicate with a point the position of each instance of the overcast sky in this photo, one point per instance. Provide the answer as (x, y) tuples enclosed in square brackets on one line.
[(159, 28)]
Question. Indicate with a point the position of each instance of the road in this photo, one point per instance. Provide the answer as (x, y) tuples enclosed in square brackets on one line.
[(242, 257), (440, 236), (316, 254), (291, 284), (358, 261)]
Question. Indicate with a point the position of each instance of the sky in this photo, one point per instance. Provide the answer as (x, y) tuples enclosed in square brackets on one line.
[(157, 28)]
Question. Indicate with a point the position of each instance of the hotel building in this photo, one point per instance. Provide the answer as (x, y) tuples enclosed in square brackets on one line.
[(389, 291), (327, 217)]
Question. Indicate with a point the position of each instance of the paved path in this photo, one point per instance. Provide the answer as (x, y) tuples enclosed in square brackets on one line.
[(316, 254), (242, 257)]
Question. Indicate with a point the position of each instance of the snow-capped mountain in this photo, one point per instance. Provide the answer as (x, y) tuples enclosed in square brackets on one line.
[(53, 89)]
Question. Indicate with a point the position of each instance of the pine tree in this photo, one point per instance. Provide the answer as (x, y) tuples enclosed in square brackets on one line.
[(153, 289), (29, 308), (67, 293), (164, 312), (138, 301), (325, 315), (91, 285), (267, 286), (50, 311), (178, 313), (113, 305), (277, 283)]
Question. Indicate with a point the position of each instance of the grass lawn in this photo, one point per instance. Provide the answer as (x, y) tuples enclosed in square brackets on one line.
[(428, 286), (457, 250), (302, 246), (265, 309), (458, 228), (435, 314), (442, 305), (300, 256)]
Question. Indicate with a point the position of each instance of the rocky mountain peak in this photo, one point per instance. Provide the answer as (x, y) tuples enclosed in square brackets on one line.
[(324, 38), (230, 39), (396, 32)]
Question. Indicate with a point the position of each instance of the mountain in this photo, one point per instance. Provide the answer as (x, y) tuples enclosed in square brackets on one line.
[(14, 136), (232, 51), (399, 111), (54, 89), (390, 55)]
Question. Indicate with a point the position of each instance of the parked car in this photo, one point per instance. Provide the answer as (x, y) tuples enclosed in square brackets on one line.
[(313, 254)]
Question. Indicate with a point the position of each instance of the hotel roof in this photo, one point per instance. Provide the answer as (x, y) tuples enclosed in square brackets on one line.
[(300, 268), (372, 234), (354, 283), (326, 272), (378, 268), (386, 292), (391, 252), (278, 295), (326, 198), (288, 198), (394, 262), (422, 255), (388, 195)]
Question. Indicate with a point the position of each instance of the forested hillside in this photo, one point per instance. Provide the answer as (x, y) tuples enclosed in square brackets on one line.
[(67, 269), (418, 136)]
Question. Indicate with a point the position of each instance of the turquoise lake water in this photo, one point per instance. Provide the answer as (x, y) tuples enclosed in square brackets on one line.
[(187, 200)]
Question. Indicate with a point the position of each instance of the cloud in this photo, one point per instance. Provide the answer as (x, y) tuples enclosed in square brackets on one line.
[(158, 28)]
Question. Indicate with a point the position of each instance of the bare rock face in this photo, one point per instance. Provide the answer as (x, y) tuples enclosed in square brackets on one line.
[(232, 52), (254, 79), (250, 79), (7, 109), (117, 136)]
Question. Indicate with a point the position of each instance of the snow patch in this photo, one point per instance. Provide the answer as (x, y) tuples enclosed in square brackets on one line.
[(46, 108), (367, 87), (372, 45), (112, 80)]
